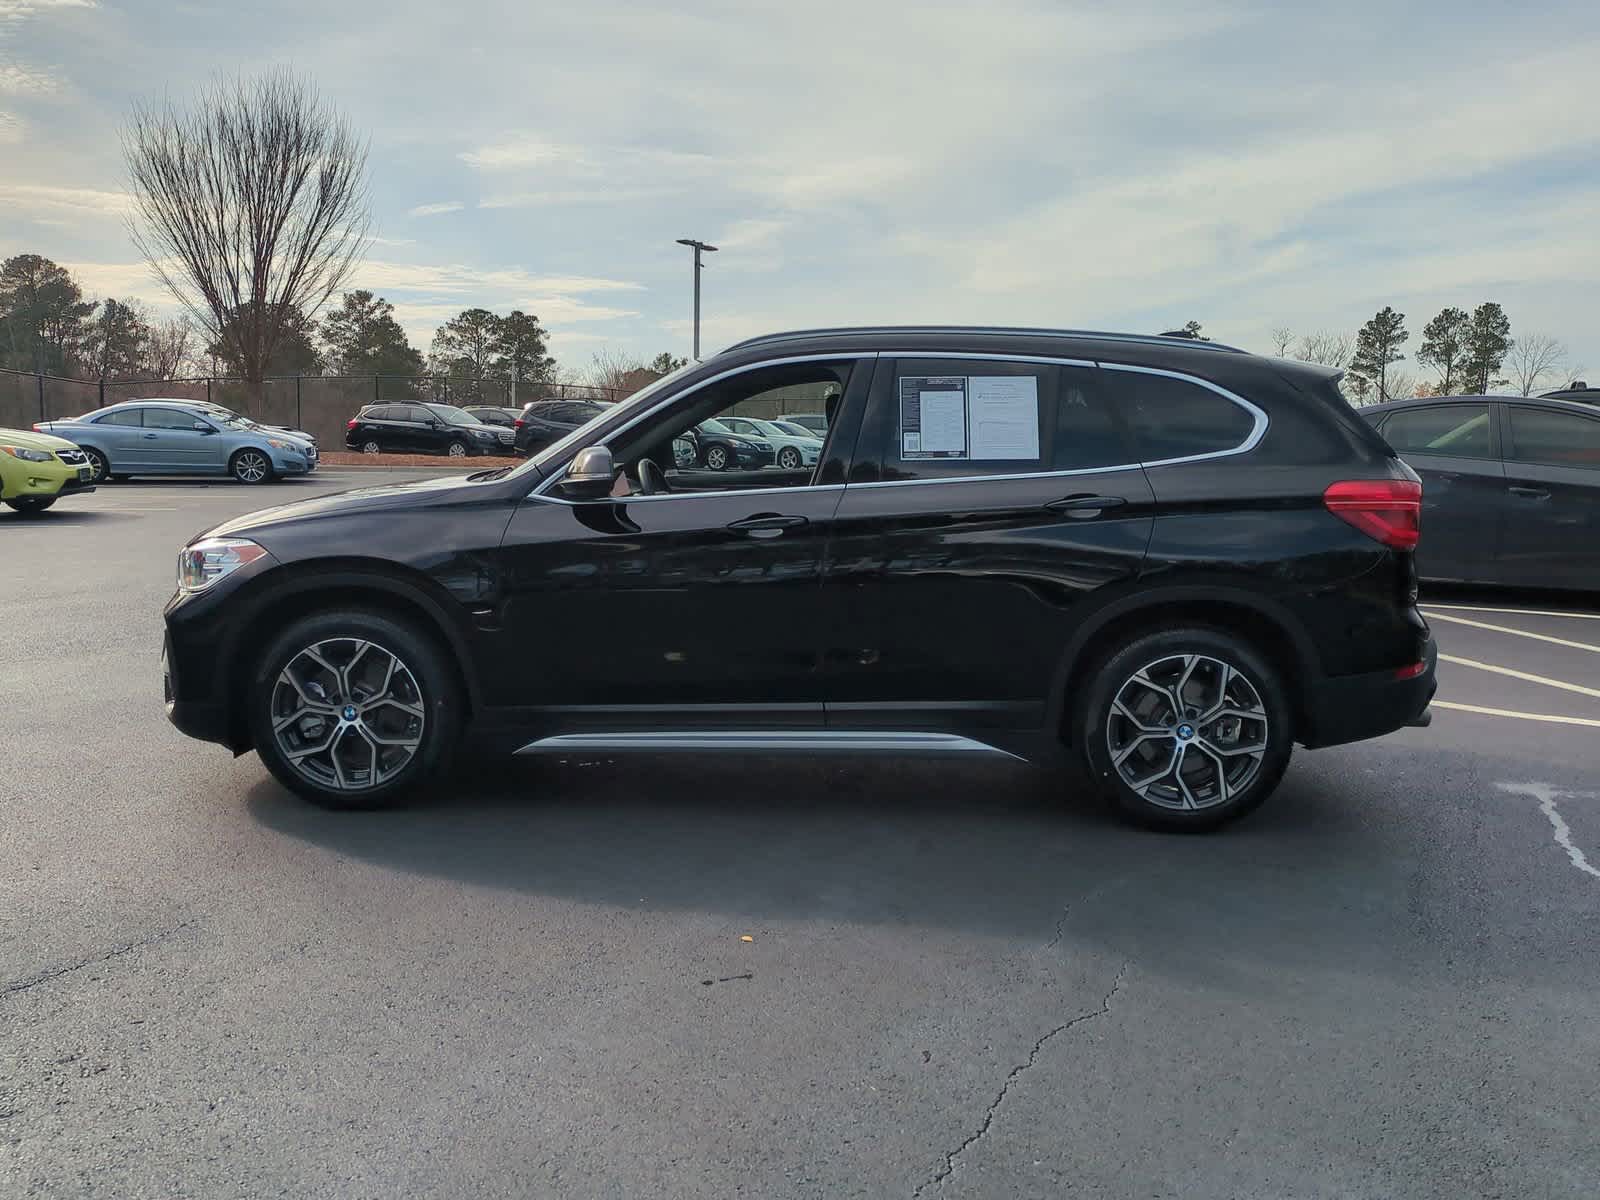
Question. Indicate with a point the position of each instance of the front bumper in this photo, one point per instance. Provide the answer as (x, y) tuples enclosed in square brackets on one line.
[(45, 479), (755, 458), (1352, 708)]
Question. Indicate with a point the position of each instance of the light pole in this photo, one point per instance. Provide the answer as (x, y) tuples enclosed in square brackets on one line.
[(698, 266)]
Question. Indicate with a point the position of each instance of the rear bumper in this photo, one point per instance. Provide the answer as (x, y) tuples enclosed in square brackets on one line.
[(1355, 707)]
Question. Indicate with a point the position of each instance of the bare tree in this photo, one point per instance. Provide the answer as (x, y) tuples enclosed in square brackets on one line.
[(611, 369), (1326, 349), (171, 348), (250, 207), (1282, 339), (1534, 357), (1401, 384)]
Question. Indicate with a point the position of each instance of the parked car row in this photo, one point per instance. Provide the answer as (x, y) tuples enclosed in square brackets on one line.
[(417, 428)]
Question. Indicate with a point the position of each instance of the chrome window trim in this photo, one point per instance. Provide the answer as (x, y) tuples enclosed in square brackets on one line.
[(772, 491), (1252, 440), (835, 356)]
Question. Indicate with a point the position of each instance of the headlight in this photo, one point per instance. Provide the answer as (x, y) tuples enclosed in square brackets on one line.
[(484, 434), (202, 564), (282, 444), (27, 455), (740, 444)]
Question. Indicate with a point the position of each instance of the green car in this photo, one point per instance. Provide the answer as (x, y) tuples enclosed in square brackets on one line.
[(37, 469)]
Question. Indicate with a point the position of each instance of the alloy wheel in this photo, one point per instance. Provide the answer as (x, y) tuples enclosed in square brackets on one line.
[(369, 448), (789, 458), (716, 458), (347, 714), (1187, 732), (457, 450), (251, 466)]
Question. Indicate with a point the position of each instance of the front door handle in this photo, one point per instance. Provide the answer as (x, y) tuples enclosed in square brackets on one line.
[(768, 525), (1530, 493), (1083, 507), (149, 437)]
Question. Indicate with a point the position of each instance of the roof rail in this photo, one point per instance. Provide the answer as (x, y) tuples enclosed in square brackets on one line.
[(1145, 339)]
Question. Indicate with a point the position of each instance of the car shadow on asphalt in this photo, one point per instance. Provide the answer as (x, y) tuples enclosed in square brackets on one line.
[(1000, 849), (71, 516)]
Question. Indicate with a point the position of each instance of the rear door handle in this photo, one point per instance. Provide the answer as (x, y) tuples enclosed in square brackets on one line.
[(768, 525), (1083, 507), (1530, 493)]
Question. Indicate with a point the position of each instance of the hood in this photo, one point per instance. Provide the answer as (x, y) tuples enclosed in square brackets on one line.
[(34, 441), (392, 495)]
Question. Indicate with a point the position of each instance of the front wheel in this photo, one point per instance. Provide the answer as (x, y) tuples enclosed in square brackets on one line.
[(789, 458), (99, 464), (353, 709), (457, 449), (31, 505), (250, 466), (718, 458), (1187, 728)]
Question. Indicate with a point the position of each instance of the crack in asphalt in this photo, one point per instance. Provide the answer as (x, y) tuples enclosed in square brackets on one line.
[(949, 1167), (22, 985)]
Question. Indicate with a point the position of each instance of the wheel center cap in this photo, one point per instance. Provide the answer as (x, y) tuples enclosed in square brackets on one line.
[(349, 712), (1185, 732)]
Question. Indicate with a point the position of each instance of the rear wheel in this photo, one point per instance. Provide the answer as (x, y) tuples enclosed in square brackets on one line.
[(1186, 729), (353, 709), (370, 447), (30, 505), (250, 466), (99, 464)]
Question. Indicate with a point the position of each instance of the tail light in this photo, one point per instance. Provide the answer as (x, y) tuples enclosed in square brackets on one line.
[(36, 428), (1387, 510), (352, 423), (517, 424)]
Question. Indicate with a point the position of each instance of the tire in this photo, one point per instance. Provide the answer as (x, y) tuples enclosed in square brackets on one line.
[(371, 447), (250, 466), (718, 458), (100, 464), (458, 449), (368, 771), (30, 506), (789, 458), (1211, 777)]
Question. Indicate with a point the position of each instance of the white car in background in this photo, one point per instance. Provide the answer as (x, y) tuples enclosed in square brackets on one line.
[(793, 451)]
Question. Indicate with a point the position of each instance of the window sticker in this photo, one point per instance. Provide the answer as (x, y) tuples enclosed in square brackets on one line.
[(1004, 416), (933, 416)]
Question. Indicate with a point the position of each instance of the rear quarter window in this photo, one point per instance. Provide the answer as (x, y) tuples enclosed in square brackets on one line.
[(1177, 418)]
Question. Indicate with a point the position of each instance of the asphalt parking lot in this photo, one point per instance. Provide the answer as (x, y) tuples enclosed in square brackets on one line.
[(779, 977)]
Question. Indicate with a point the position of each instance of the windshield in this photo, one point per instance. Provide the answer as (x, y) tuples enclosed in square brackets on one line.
[(453, 415), (231, 420), (579, 437)]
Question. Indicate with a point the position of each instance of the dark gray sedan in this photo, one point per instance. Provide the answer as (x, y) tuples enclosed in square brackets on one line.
[(1510, 487)]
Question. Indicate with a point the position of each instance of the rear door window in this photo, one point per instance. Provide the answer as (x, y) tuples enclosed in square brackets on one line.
[(953, 418), (1173, 418), (123, 416), (1553, 439), (1452, 430)]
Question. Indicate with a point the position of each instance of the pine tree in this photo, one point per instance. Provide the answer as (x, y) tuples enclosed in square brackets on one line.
[(1378, 346), (1484, 348), (1443, 341)]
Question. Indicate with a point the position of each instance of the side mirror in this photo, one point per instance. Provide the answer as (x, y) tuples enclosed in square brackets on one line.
[(590, 474)]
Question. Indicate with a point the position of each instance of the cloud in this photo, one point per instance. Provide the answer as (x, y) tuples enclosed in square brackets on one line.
[(433, 210), (87, 202), (16, 10), (19, 80), (572, 196), (10, 132), (459, 279)]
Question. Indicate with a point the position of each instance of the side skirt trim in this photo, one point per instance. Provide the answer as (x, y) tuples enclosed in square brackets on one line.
[(763, 741)]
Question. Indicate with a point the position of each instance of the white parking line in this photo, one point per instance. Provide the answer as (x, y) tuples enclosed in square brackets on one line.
[(1548, 682), (1515, 612), (1546, 796), (1553, 718), (1538, 637)]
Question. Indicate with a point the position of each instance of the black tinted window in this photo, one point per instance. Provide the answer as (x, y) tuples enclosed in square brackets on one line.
[(959, 417), (1554, 439), (1177, 418), (1459, 430), (124, 416), (378, 412), (169, 418)]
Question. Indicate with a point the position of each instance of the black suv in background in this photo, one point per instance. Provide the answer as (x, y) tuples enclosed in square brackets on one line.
[(412, 428), (547, 421), (1170, 560)]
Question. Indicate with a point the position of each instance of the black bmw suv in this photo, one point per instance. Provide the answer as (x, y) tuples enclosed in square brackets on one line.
[(1169, 560)]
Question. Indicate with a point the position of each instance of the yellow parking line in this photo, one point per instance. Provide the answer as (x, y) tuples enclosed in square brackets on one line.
[(1538, 637), (1514, 612), (1521, 716), (1555, 683)]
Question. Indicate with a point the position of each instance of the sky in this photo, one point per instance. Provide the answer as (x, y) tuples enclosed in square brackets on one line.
[(1126, 166)]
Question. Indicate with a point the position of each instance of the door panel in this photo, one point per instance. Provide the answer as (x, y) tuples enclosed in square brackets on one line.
[(1454, 448), (642, 612), (173, 444), (1551, 528), (955, 600)]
